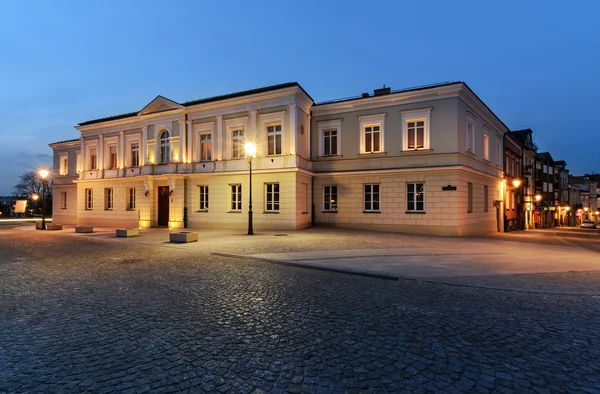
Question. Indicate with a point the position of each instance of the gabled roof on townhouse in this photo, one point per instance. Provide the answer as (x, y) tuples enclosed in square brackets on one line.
[(545, 157), (526, 137), (165, 104)]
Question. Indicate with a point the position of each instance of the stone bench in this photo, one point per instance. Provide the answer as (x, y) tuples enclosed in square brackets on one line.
[(52, 226), (84, 229), (128, 232), (183, 236)]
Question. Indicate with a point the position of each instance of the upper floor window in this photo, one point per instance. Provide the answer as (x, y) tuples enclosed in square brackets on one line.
[(470, 136), (415, 129), (330, 137), (64, 164), (113, 156), (63, 200), (272, 197), (165, 147), (205, 147), (274, 140), (93, 159), (486, 146), (135, 155), (372, 133), (237, 144)]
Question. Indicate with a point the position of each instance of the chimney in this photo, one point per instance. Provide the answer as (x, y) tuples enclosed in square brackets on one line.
[(381, 91), (365, 95)]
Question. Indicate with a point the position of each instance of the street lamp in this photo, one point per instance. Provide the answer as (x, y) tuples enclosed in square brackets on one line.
[(44, 175), (250, 149), (516, 183), (35, 197), (538, 197)]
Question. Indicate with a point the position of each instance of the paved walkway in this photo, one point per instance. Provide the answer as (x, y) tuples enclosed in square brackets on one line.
[(493, 262)]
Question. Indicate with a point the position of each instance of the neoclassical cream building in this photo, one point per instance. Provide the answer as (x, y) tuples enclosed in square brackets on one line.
[(424, 160)]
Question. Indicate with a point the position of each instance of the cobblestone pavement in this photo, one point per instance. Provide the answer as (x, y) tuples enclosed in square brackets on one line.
[(83, 314)]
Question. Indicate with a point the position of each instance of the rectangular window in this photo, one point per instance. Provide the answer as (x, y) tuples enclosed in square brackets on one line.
[(485, 199), (237, 144), (135, 155), (63, 200), (272, 198), (415, 197), (330, 142), (131, 199), (93, 159), (486, 147), (330, 198), (512, 198), (274, 140), (206, 147), (203, 203), (236, 197), (64, 165), (372, 203), (108, 199), (416, 134), (372, 138), (89, 199), (498, 152), (113, 156), (469, 197), (470, 137)]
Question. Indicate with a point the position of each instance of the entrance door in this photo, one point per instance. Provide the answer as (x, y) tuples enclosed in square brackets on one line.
[(163, 206)]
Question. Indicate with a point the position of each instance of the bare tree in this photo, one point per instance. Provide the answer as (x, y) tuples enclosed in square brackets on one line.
[(30, 183)]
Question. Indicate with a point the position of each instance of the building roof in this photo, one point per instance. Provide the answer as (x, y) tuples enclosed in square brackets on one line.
[(62, 142), (204, 100), (545, 156)]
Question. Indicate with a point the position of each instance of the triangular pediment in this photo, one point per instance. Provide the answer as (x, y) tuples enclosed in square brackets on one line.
[(159, 104)]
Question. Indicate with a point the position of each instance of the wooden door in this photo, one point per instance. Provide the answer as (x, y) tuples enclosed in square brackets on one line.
[(163, 206)]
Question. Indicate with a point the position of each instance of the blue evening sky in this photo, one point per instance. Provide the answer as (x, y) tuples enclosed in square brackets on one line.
[(535, 63)]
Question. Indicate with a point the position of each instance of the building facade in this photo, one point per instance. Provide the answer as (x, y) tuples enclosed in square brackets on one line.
[(513, 209), (426, 160), (528, 157)]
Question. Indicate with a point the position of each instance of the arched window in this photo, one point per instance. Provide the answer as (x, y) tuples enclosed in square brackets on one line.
[(165, 147)]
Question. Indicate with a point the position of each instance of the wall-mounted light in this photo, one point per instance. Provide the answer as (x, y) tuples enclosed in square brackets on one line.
[(146, 188), (538, 197), (171, 187), (516, 183)]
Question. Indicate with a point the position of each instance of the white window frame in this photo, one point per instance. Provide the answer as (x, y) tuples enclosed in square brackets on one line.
[(272, 119), (423, 114), (78, 161), (132, 145), (370, 121), (131, 194), (232, 125), (92, 164), (89, 199), (332, 204), (414, 200), (486, 145), (203, 198), (499, 158), (115, 164), (372, 194), (470, 138), (272, 197), (330, 125), (235, 197), (275, 134), (109, 198), (201, 129), (64, 164), (63, 200), (166, 144)]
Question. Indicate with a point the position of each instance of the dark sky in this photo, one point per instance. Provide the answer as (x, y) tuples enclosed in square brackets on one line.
[(534, 63)]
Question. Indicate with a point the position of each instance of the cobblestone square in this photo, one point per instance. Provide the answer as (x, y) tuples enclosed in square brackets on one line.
[(81, 313)]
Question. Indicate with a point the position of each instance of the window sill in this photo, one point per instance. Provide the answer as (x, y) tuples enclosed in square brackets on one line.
[(372, 154), (304, 213), (329, 157), (234, 211), (203, 210), (417, 151), (415, 212), (371, 211), (130, 209), (469, 153), (271, 212), (329, 211)]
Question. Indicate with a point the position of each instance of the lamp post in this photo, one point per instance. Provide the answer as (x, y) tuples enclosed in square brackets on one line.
[(44, 175), (250, 149)]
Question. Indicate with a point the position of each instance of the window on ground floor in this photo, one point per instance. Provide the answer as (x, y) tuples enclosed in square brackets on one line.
[(272, 197), (131, 199), (63, 200), (330, 201), (415, 197), (236, 197), (203, 203), (108, 198), (89, 199), (469, 197), (372, 195)]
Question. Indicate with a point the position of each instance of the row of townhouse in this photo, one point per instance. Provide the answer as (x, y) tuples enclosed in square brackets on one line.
[(430, 160), (540, 191)]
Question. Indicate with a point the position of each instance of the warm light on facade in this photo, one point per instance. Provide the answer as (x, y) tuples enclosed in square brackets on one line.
[(250, 149), (516, 182), (538, 197), (586, 209)]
